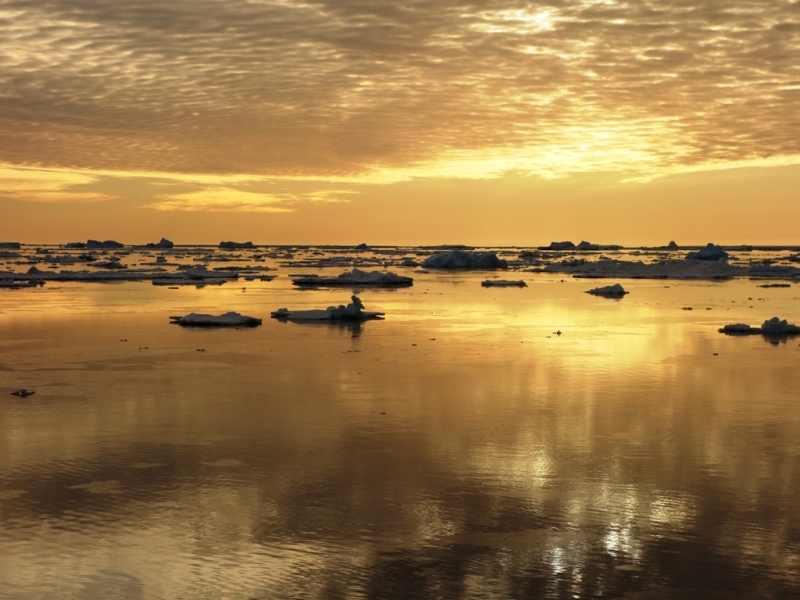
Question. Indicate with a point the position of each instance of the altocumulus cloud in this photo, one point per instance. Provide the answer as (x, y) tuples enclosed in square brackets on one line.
[(380, 90)]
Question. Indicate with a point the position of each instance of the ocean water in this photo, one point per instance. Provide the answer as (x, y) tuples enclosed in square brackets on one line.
[(461, 448)]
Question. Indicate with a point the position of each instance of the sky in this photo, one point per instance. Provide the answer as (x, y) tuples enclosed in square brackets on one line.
[(487, 122)]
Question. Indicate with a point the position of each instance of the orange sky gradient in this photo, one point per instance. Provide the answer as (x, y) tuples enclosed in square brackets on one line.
[(496, 122)]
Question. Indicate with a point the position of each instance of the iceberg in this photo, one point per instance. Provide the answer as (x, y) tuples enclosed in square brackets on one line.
[(356, 277), (229, 319), (352, 312)]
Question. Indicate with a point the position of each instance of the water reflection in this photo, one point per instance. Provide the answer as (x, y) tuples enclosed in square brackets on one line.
[(458, 450)]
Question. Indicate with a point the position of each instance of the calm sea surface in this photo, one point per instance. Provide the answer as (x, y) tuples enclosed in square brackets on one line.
[(458, 449)]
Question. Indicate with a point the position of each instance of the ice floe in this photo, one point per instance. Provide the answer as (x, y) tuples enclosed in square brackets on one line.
[(356, 277), (462, 259), (663, 269), (611, 291), (164, 243), (95, 244), (773, 326), (352, 312), (503, 283), (710, 252), (235, 245), (10, 284), (229, 319)]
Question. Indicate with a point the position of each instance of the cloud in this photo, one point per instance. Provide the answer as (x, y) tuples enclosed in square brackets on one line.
[(220, 199), (350, 90), (42, 185)]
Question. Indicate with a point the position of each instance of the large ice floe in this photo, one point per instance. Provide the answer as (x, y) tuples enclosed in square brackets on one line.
[(773, 326), (229, 319), (196, 276), (710, 252), (663, 269), (463, 259), (356, 277), (503, 283), (352, 312), (609, 291)]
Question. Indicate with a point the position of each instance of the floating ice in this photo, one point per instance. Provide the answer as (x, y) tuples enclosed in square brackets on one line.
[(234, 245), (357, 277), (710, 252), (665, 269), (503, 283), (164, 243), (352, 312), (613, 291), (10, 284), (587, 246), (229, 319), (561, 246), (105, 244), (773, 326), (462, 259)]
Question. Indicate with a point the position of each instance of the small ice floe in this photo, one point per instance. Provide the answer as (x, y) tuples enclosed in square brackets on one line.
[(774, 271), (357, 277), (106, 244), (196, 276), (560, 246), (463, 259), (10, 284), (609, 291), (773, 326), (503, 283), (710, 252), (23, 393), (352, 312), (229, 319), (235, 245)]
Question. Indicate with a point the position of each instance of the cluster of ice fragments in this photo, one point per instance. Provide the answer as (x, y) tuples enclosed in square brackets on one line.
[(773, 326)]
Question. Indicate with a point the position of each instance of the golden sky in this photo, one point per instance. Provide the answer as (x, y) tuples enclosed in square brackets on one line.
[(413, 122)]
